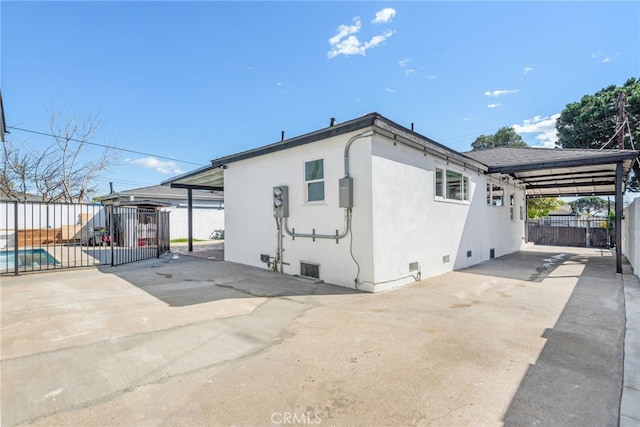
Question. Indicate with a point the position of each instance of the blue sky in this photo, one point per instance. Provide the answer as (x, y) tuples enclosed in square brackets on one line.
[(193, 81)]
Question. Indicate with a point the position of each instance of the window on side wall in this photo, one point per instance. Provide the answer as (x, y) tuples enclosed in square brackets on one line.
[(512, 206), (497, 195), (314, 180), (439, 182), (451, 185)]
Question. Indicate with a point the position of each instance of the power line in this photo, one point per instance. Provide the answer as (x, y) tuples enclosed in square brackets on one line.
[(105, 146)]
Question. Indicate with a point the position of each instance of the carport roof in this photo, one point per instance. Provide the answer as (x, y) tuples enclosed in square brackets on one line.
[(559, 172)]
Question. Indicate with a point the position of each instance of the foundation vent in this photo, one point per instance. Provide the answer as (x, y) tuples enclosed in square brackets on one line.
[(492, 253), (310, 270), (414, 266), (445, 259), (469, 254)]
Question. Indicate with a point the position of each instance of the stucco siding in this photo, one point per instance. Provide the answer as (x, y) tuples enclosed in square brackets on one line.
[(251, 227), (411, 225), (396, 218), (631, 235), (205, 222)]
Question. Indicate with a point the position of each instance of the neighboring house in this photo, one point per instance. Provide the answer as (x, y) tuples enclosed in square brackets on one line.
[(370, 204), (208, 208)]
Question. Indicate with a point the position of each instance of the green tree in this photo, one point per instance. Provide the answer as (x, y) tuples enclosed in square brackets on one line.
[(539, 207), (505, 137), (593, 122), (589, 205)]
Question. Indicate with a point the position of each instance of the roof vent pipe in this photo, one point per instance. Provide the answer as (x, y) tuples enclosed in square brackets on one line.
[(412, 126), (333, 121), (282, 136)]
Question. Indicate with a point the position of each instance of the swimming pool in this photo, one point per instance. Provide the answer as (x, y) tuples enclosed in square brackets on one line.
[(27, 258)]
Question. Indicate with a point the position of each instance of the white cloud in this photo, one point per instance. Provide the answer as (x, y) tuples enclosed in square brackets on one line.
[(543, 126), (605, 57), (346, 43), (404, 62), (384, 15), (409, 71), (527, 70), (345, 30), (496, 105), (497, 93), (390, 90), (431, 77), (609, 59), (166, 167)]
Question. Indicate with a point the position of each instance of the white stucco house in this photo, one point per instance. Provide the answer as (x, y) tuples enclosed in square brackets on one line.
[(366, 204)]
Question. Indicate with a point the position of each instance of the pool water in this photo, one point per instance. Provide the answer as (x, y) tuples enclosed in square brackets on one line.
[(29, 258)]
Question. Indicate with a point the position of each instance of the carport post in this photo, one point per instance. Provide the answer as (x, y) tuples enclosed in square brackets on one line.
[(190, 218), (619, 201), (15, 236)]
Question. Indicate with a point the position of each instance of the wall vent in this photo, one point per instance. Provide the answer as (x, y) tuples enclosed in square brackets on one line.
[(264, 258), (445, 259), (308, 269), (492, 253), (469, 254), (414, 266)]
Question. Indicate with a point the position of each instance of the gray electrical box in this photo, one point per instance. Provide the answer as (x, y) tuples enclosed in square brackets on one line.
[(281, 201), (345, 192)]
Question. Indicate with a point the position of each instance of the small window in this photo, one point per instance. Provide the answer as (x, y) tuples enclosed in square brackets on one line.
[(496, 195), (454, 185), (439, 182), (465, 188), (314, 180), (512, 204), (451, 185)]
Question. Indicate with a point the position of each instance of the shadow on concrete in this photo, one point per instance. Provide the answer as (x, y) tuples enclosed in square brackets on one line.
[(577, 379), (530, 266), (184, 280)]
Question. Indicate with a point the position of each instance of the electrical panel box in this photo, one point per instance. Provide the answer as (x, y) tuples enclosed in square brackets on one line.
[(345, 192), (281, 201)]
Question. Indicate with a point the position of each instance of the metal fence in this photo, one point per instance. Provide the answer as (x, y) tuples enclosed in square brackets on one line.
[(571, 231), (38, 236)]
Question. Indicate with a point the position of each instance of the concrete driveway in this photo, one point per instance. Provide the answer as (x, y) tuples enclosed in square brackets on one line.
[(532, 338)]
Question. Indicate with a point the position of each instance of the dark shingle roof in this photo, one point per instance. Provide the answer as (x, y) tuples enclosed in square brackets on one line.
[(511, 156)]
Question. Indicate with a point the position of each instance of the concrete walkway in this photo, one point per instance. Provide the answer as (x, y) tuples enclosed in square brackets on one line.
[(532, 338)]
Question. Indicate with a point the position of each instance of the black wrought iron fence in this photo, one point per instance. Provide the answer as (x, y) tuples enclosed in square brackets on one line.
[(36, 236)]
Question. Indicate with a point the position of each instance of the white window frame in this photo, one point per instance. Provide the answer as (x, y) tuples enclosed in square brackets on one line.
[(493, 197), (443, 188), (313, 181)]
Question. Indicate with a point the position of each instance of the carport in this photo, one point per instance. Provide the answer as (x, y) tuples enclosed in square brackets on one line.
[(565, 172), (208, 178)]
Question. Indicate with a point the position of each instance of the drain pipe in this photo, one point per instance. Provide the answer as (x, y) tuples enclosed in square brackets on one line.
[(348, 146)]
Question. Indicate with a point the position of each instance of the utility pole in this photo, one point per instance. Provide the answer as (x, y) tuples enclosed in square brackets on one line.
[(622, 98)]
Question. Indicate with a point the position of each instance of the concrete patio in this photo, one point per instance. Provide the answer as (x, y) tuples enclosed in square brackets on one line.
[(532, 338)]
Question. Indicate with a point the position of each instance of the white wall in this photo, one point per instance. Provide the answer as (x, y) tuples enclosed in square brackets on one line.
[(205, 222), (410, 225), (396, 218), (251, 228), (631, 235)]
